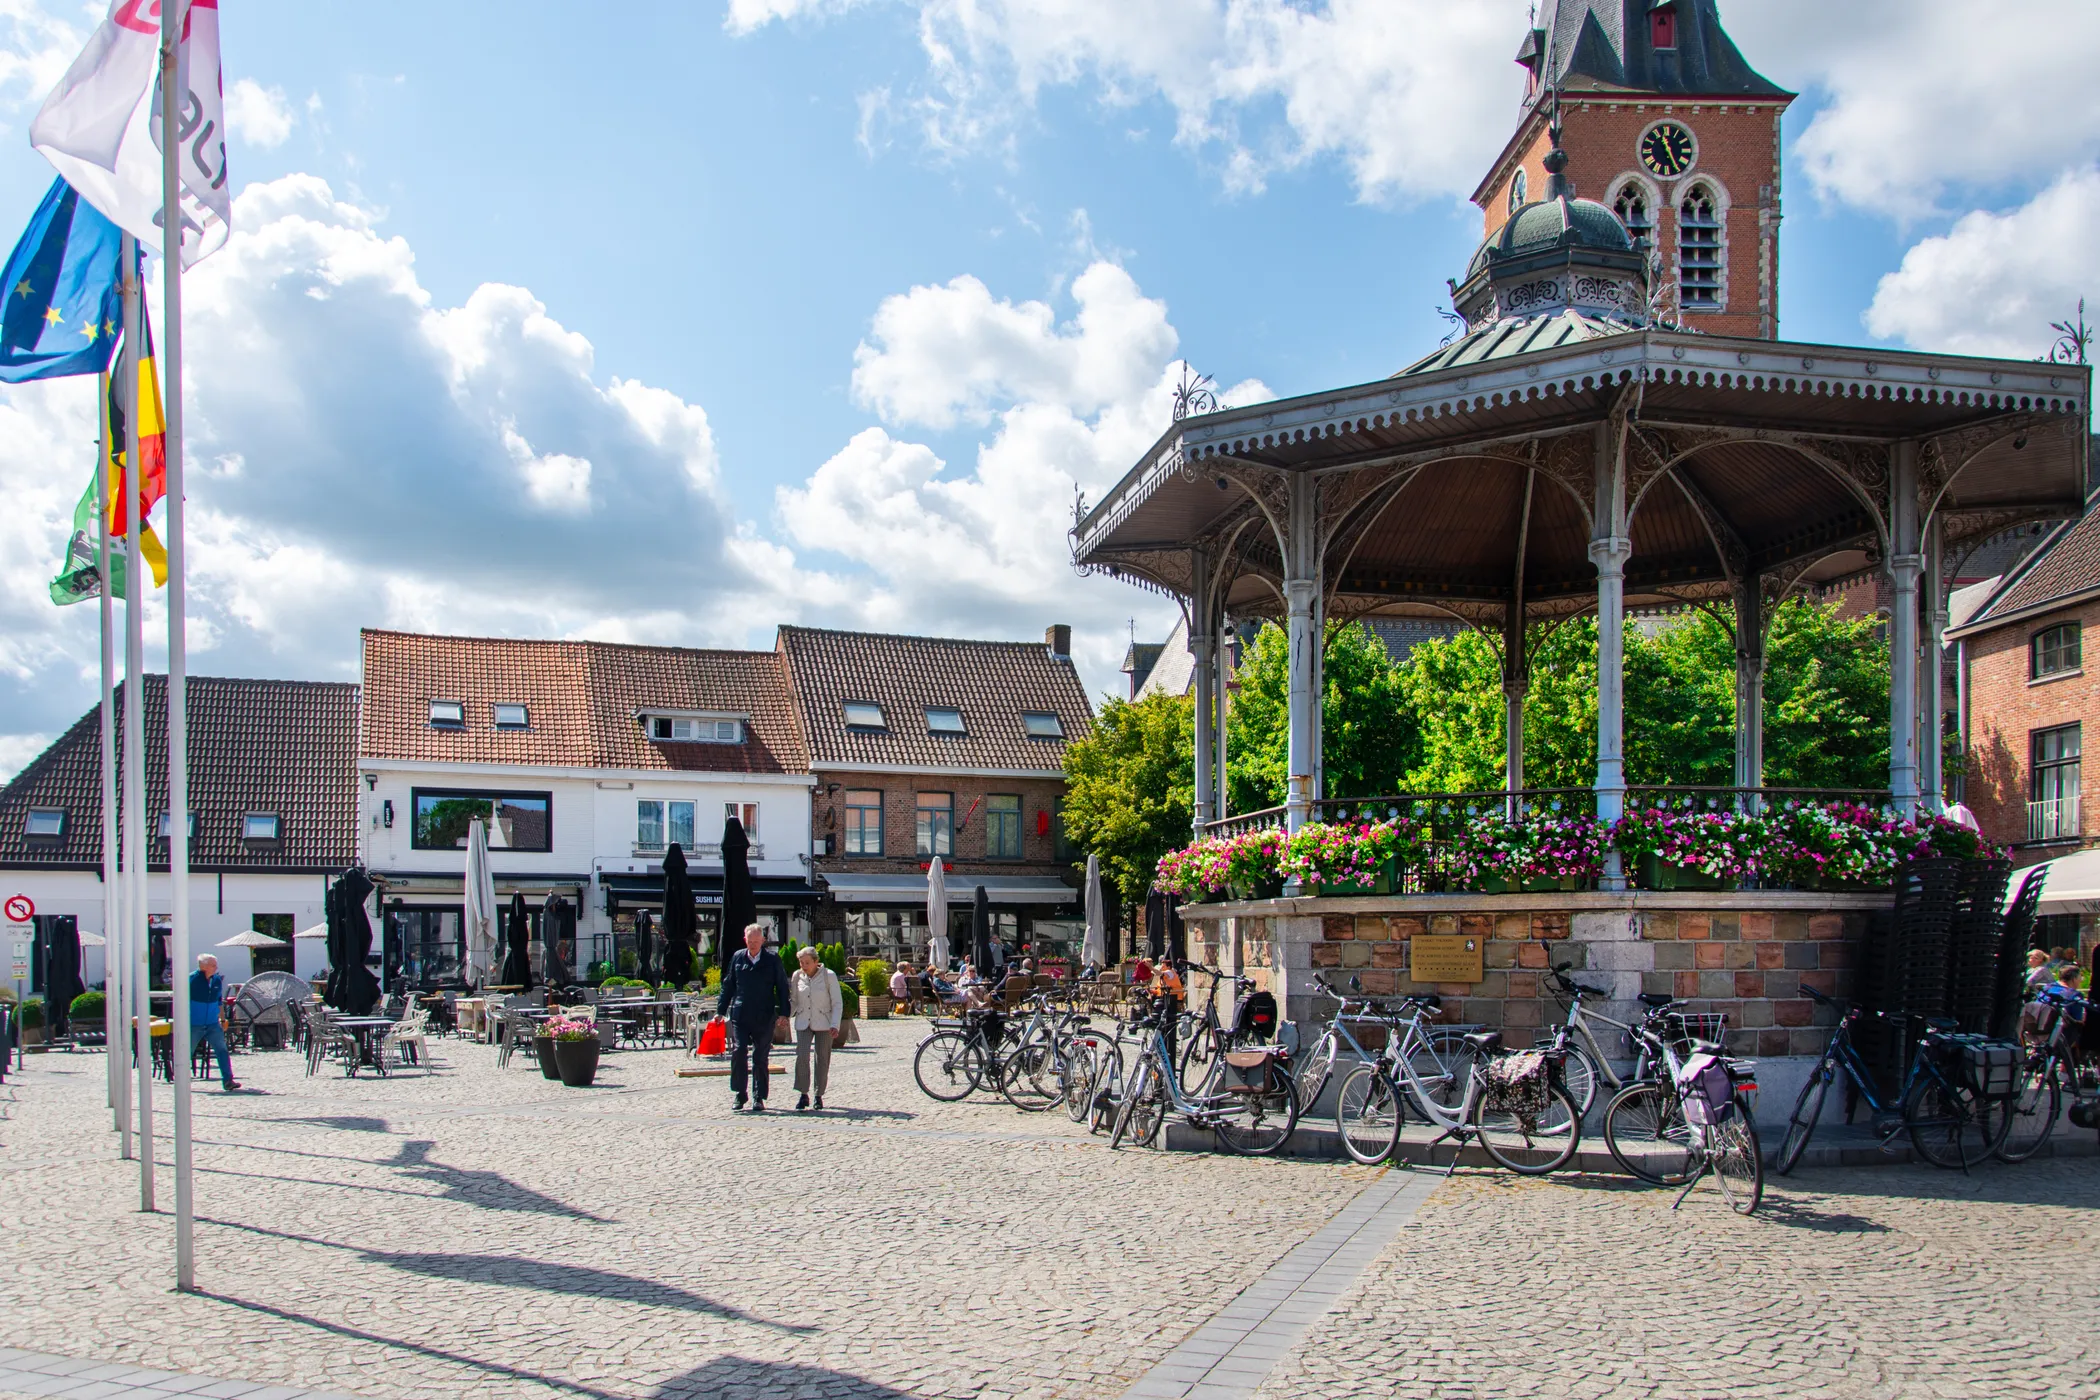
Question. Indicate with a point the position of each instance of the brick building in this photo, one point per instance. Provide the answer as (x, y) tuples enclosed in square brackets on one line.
[(925, 747)]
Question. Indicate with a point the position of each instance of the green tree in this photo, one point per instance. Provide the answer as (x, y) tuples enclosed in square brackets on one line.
[(1455, 688), (1369, 738), (1826, 699), (1130, 785)]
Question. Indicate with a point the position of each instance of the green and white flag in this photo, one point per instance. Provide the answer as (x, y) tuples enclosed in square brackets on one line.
[(80, 574)]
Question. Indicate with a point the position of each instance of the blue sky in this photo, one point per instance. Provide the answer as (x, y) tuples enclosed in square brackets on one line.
[(468, 226)]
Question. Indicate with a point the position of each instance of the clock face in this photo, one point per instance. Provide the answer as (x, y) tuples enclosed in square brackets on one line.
[(1667, 150)]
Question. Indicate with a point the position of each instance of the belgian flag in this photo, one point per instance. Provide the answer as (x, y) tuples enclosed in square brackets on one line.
[(79, 577)]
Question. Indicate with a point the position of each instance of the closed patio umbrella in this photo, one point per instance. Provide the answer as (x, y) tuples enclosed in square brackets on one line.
[(1094, 951), (1156, 916), (557, 923), (517, 953), (739, 897), (679, 923), (479, 917), (351, 986), (61, 974), (937, 954), (644, 945), (981, 932)]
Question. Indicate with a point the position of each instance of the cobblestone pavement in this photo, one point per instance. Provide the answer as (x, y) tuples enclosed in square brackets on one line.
[(481, 1233), (1887, 1282), (475, 1232)]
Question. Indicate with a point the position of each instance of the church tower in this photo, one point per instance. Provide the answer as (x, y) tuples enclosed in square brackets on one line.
[(1665, 124)]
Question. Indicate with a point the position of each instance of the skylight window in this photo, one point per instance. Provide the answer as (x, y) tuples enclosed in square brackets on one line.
[(940, 721), (448, 714), (161, 830), (44, 821), (512, 716), (1040, 724), (863, 714), (259, 826)]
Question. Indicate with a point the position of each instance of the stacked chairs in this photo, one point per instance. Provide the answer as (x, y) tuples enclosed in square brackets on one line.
[(1978, 929)]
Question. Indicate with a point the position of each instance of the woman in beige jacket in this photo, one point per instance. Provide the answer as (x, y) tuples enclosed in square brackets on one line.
[(814, 990)]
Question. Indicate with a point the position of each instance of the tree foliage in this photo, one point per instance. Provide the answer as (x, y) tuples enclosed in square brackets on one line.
[(1369, 738), (1129, 786)]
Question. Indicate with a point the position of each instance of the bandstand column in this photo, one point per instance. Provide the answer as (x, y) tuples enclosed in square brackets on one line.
[(1750, 687), (1516, 661), (1905, 564), (1932, 782), (1609, 550), (1222, 697), (1301, 594), (1202, 637)]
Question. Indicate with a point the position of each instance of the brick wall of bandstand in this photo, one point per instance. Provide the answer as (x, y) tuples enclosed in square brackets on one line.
[(1745, 954)]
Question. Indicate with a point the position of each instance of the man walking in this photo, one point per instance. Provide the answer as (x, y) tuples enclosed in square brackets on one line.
[(207, 995), (754, 994)]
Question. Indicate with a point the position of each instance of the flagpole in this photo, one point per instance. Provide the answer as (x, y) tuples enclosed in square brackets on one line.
[(112, 902), (138, 941), (174, 87)]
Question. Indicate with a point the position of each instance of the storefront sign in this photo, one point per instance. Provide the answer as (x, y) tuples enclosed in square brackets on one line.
[(1445, 958)]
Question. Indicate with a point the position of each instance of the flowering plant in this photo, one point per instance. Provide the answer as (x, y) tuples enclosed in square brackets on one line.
[(1728, 845), (569, 1028), (1348, 853), (1538, 847), (1216, 863)]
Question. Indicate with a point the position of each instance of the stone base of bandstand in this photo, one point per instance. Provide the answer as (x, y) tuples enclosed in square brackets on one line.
[(1744, 954)]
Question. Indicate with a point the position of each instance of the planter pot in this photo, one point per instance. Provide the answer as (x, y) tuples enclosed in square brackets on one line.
[(875, 1008), (1246, 890), (1381, 882), (850, 1004), (576, 1061), (543, 1046), (32, 1036), (1656, 873), (1539, 884)]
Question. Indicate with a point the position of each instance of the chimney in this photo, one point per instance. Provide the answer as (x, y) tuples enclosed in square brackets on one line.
[(1059, 640)]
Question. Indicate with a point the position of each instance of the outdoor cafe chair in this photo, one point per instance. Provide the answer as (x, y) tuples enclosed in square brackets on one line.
[(409, 1038)]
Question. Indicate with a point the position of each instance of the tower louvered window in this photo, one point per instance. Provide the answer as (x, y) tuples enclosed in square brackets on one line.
[(1632, 209), (1698, 252)]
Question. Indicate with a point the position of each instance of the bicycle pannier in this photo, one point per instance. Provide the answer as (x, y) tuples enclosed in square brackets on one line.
[(1253, 1071), (1517, 1085), (1707, 1091), (1255, 1017), (1987, 1067)]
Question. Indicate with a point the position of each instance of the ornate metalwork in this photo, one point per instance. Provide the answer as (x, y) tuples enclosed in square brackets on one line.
[(1195, 394), (2073, 338)]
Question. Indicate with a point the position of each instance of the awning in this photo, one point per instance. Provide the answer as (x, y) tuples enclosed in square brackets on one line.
[(647, 891), (413, 884), (962, 888), (2071, 886)]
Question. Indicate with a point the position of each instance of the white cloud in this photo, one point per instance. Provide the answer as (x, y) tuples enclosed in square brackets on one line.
[(258, 115), (747, 15), (1992, 284), (36, 47)]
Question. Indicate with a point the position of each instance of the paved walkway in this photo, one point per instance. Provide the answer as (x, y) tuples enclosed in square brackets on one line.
[(71, 1378)]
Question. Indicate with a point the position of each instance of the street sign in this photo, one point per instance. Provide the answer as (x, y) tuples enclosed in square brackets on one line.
[(20, 909), (21, 940)]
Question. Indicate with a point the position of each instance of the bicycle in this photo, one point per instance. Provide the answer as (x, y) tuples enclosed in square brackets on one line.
[(1254, 1115), (961, 1056), (2051, 1064), (1442, 1046), (1692, 1120), (1203, 1038), (1587, 1062), (1533, 1137), (1950, 1124)]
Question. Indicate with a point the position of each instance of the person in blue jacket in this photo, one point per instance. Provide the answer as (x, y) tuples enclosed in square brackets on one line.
[(754, 995), (207, 996)]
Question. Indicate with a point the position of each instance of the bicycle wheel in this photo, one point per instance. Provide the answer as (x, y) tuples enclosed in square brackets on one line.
[(948, 1066), (2034, 1112), (1802, 1126), (1367, 1114), (1259, 1124), (1534, 1148), (1443, 1066), (1738, 1161), (1645, 1131), (1199, 1060), (1138, 1116), (1579, 1074), (1030, 1079), (1952, 1127), (1076, 1079), (1309, 1076)]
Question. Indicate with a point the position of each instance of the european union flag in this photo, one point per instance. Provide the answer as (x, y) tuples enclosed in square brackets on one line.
[(63, 308)]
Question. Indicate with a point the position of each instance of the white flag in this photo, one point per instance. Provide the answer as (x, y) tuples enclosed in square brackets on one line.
[(101, 125)]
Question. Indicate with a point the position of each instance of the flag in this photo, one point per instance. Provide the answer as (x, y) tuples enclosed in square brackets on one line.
[(101, 125), (62, 312), (79, 574), (153, 441)]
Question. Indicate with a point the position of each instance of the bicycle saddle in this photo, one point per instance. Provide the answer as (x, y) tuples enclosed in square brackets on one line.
[(1656, 1001), (1484, 1040)]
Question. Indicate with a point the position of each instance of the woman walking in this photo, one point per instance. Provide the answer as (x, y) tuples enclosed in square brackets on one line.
[(814, 990)]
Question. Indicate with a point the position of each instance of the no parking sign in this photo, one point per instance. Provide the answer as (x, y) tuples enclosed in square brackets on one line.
[(21, 935)]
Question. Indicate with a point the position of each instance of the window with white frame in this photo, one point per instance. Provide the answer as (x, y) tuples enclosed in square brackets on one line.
[(671, 730), (259, 826), (511, 716), (660, 824), (448, 714), (45, 822), (863, 834), (1699, 249), (745, 812)]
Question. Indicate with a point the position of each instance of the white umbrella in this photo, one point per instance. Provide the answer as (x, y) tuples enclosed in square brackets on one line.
[(937, 915), (250, 939), (93, 940), (480, 914), (316, 931), (1094, 952), (2071, 885)]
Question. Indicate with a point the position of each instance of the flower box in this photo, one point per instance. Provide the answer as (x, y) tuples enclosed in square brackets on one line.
[(1380, 882), (1655, 873), (1538, 884), (1247, 890)]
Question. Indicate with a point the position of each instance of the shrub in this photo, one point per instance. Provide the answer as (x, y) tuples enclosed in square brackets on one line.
[(628, 962), (714, 979), (874, 977), (87, 1007), (33, 1014), (833, 956)]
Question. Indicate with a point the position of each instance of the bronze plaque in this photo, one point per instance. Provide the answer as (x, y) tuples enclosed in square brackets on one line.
[(1446, 957)]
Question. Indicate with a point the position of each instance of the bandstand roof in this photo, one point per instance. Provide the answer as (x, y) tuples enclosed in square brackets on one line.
[(1467, 482)]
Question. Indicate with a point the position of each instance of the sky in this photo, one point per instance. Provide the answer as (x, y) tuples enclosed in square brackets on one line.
[(670, 322)]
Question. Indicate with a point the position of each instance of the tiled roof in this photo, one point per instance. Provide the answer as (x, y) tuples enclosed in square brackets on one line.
[(992, 683), (2066, 564), (581, 700), (286, 747)]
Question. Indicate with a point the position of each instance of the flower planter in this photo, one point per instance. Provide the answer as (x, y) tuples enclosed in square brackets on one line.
[(1247, 890), (576, 1061), (875, 1008), (1539, 884), (1380, 882), (543, 1046), (1655, 873)]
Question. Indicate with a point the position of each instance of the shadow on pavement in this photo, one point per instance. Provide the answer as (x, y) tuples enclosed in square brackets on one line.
[(740, 1378), (492, 1190), (346, 1123)]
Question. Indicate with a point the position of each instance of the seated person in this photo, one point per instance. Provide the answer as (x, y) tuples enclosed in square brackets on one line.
[(2063, 995), (900, 984)]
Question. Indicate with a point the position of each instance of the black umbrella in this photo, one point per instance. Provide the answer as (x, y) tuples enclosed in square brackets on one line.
[(1156, 925), (679, 924), (557, 922), (739, 898), (351, 987), (61, 974), (1177, 931), (517, 955), (392, 932), (981, 932), (644, 945)]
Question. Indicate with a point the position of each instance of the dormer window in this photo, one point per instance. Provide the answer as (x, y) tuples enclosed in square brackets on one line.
[(46, 822), (939, 721), (259, 826), (863, 714), (448, 714), (1041, 724), (1662, 25), (668, 729), (508, 716), (162, 829)]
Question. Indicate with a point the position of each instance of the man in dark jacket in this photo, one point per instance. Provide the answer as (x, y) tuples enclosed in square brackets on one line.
[(754, 993)]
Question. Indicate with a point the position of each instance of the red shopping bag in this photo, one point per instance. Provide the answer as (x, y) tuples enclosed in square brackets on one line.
[(714, 1039)]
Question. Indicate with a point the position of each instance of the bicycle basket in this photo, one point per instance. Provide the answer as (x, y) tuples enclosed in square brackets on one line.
[(1684, 1029), (1516, 1085), (1254, 1018), (1987, 1067), (1707, 1091)]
